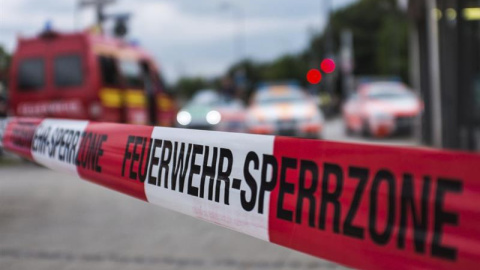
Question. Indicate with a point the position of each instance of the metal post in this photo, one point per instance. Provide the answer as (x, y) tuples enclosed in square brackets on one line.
[(346, 61), (415, 73), (328, 31), (435, 86), (329, 54), (241, 34)]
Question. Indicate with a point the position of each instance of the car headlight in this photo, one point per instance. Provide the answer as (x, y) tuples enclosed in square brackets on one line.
[(213, 117), (184, 118)]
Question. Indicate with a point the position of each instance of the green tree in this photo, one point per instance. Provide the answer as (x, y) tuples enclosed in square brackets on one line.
[(5, 60), (380, 36), (187, 86)]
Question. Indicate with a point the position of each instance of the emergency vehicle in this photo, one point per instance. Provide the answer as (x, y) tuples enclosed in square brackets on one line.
[(91, 76)]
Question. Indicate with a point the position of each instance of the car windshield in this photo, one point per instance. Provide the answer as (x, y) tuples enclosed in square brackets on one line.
[(390, 95), (388, 91), (279, 96), (207, 97), (132, 73)]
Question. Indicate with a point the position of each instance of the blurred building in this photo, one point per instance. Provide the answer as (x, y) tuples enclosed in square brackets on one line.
[(445, 67)]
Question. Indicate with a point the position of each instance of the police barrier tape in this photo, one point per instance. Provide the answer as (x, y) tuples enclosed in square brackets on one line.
[(364, 206)]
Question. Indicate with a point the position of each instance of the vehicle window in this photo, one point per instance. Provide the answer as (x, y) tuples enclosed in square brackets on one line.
[(148, 80), (206, 98), (388, 90), (31, 74), (161, 82), (132, 73), (390, 95), (268, 97), (108, 71), (68, 70)]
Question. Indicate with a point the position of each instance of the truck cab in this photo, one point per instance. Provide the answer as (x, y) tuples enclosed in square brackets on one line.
[(87, 76)]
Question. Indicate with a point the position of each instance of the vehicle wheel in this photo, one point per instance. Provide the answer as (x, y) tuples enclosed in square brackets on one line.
[(410, 132), (317, 137), (348, 130), (366, 130)]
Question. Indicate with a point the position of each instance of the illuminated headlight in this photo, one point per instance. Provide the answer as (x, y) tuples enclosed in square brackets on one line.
[(213, 117), (184, 118)]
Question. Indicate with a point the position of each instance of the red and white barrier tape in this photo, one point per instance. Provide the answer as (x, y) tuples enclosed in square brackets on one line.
[(364, 206)]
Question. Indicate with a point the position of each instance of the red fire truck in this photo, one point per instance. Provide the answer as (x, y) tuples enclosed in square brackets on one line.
[(87, 76)]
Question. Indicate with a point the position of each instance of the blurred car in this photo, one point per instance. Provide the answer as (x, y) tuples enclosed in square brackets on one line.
[(284, 110), (209, 110), (381, 109)]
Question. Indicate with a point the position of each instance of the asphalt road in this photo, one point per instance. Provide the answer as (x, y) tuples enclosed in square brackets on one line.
[(50, 220)]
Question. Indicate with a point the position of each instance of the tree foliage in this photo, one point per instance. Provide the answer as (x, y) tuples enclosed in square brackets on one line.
[(5, 60), (380, 37), (186, 87)]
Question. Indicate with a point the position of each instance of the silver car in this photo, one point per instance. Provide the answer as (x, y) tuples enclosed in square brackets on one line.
[(285, 110)]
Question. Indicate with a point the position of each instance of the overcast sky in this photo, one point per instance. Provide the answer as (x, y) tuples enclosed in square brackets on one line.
[(186, 37)]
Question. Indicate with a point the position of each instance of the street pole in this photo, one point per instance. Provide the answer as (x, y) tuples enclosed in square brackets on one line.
[(328, 32), (238, 17), (346, 62), (435, 86), (328, 52)]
